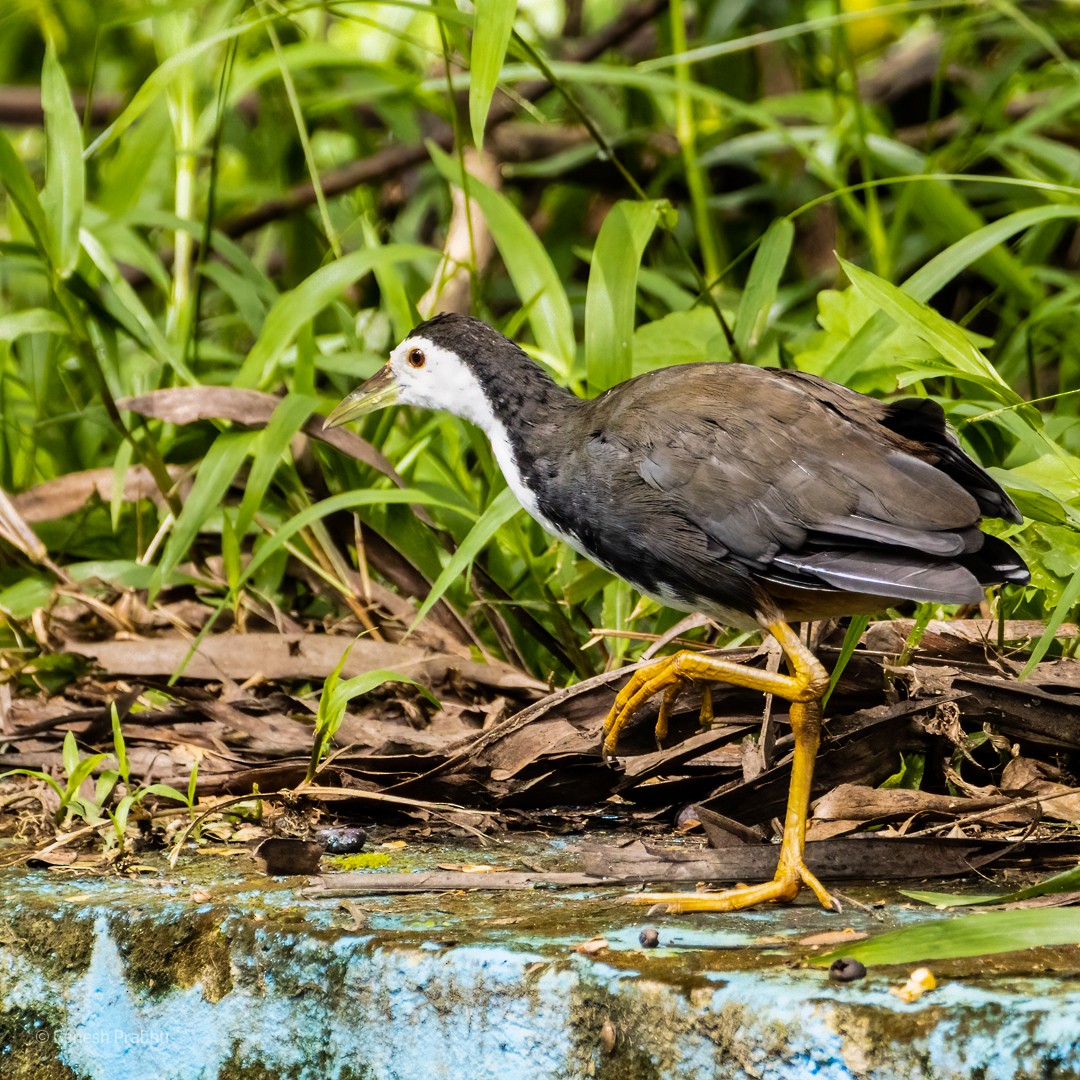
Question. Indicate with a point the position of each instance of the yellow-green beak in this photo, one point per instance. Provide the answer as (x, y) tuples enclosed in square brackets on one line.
[(378, 392)]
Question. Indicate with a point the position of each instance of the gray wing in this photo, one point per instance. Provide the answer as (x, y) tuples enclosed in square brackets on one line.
[(796, 479)]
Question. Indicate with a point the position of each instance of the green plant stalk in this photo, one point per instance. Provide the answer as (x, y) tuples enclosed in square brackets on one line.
[(202, 252), (874, 223), (181, 102), (712, 254)]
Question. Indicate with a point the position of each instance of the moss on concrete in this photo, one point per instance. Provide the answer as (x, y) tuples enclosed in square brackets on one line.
[(58, 942), (179, 951), (28, 1048)]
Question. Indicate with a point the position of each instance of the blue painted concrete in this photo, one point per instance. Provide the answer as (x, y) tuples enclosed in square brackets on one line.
[(305, 997)]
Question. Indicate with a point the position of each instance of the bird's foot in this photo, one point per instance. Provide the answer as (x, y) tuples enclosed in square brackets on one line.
[(781, 890), (665, 675), (642, 685)]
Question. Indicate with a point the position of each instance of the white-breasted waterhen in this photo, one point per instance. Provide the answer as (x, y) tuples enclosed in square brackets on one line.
[(755, 496)]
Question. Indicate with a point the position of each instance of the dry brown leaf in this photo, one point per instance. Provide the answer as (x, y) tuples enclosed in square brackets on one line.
[(834, 937), (1025, 776), (591, 947), (856, 802), (238, 657)]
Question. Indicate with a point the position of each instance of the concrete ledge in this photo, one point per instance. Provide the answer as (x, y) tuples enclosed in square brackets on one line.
[(116, 979)]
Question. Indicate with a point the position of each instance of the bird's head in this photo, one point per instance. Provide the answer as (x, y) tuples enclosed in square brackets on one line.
[(445, 363)]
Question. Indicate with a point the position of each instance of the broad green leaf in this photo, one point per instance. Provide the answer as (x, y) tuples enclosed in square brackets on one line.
[(945, 336), (106, 781), (967, 935), (503, 507), (33, 321), (37, 774), (683, 337), (216, 472), (82, 770), (119, 816), (611, 299), (125, 573), (530, 267), (1056, 473), (166, 791), (335, 698), (21, 599), (910, 773), (65, 182), (1066, 881), (615, 612), (293, 309), (763, 283), (14, 177), (491, 35)]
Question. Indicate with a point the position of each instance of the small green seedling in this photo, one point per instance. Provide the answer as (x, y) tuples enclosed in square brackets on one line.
[(96, 810), (335, 698)]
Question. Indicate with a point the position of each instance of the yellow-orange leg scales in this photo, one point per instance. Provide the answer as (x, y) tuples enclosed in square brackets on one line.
[(803, 687)]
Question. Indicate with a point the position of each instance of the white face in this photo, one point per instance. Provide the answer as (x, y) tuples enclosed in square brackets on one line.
[(435, 378)]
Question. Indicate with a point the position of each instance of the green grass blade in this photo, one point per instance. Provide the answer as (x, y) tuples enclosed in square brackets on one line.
[(293, 309), (1064, 606), (129, 308), (65, 182), (937, 273), (15, 177), (611, 299), (270, 448), (530, 267), (491, 35), (161, 78), (1066, 881), (946, 213), (216, 473), (852, 637), (967, 935), (347, 500), (502, 508), (762, 283)]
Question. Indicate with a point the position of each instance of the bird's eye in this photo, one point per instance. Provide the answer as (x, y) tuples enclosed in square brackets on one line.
[(416, 358)]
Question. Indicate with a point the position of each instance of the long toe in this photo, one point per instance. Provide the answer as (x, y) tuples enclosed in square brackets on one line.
[(781, 890)]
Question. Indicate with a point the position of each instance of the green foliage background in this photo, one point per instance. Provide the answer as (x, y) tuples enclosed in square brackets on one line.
[(679, 198)]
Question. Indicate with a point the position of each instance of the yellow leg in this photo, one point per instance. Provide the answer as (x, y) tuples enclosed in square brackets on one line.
[(803, 687)]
